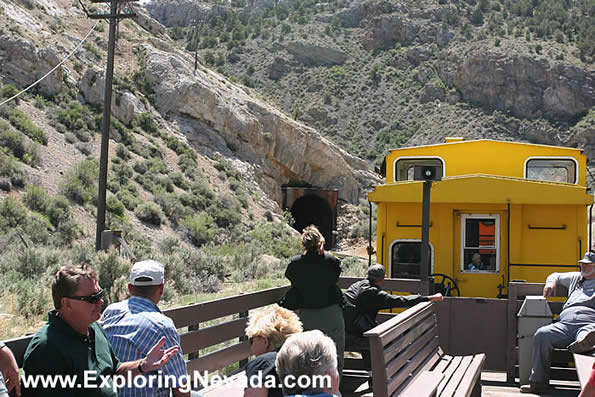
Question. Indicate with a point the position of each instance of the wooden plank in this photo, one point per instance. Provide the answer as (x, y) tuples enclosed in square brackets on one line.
[(584, 364), (443, 364), (400, 322), (405, 374), (411, 353), (453, 365), (471, 376), (424, 366), (424, 385), (427, 325), (378, 369), (204, 337), (220, 359), (205, 311), (456, 377)]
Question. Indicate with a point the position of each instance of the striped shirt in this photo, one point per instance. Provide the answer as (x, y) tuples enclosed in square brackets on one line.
[(133, 327)]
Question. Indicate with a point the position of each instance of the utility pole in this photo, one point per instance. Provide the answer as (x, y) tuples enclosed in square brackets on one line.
[(113, 18)]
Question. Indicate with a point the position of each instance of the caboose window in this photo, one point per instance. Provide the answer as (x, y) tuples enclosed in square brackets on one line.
[(551, 169), (480, 243), (405, 259), (404, 166)]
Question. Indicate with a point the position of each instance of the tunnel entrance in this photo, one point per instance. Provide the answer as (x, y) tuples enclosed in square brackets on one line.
[(311, 206)]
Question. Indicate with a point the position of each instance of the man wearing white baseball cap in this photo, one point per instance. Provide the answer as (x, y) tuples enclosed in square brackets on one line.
[(132, 327), (576, 328)]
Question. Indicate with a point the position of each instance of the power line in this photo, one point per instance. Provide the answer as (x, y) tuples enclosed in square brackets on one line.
[(53, 69)]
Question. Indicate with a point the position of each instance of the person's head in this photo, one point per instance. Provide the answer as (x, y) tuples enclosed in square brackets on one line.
[(312, 240), (310, 356), (146, 280), (476, 259), (77, 296), (268, 329), (376, 274), (588, 265)]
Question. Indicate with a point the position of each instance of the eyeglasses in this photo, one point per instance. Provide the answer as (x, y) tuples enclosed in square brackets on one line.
[(93, 298), (251, 340)]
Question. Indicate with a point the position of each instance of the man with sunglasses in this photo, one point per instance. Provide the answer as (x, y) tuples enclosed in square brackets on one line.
[(134, 325), (72, 351)]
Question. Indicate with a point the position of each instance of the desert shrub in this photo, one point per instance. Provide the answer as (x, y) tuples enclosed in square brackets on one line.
[(226, 212), (77, 117), (273, 238), (122, 152), (24, 124), (199, 228), (115, 206), (58, 210), (178, 179), (112, 270), (36, 198), (11, 169), (32, 263), (170, 204), (193, 271), (146, 122), (19, 146), (168, 244), (80, 182), (32, 301), (140, 167), (149, 213), (187, 163), (67, 231), (122, 172), (129, 198), (12, 213)]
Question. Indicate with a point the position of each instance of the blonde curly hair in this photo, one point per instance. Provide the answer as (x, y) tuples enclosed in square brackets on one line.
[(312, 239), (275, 324)]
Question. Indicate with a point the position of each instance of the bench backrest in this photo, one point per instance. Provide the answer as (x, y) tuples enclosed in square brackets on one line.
[(402, 348)]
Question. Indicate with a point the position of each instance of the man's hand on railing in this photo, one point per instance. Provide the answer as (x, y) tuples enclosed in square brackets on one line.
[(436, 297), (549, 289)]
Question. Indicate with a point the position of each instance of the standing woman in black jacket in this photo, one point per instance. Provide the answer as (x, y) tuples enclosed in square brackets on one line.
[(314, 293)]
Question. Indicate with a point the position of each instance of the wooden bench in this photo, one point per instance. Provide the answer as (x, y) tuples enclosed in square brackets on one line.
[(407, 359), (562, 367)]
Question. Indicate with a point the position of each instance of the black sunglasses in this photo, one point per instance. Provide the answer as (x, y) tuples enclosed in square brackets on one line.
[(93, 298)]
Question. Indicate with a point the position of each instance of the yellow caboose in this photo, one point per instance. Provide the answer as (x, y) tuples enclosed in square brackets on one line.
[(502, 211)]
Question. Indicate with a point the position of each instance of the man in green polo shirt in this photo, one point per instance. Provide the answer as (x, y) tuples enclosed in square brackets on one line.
[(72, 348)]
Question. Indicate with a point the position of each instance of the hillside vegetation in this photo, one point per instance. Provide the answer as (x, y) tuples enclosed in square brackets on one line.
[(374, 75)]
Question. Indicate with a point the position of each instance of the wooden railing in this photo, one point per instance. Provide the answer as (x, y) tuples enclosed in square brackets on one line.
[(199, 336)]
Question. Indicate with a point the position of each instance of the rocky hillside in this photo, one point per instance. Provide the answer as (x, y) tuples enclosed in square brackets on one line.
[(378, 74)]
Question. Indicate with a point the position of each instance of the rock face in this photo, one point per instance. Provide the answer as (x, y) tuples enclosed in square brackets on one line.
[(524, 86), (183, 12), (385, 30), (281, 150), (314, 55), (150, 24), (124, 104), (21, 64)]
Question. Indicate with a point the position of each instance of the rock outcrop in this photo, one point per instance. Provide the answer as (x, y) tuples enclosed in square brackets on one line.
[(183, 12), (125, 106), (526, 87), (280, 149), (21, 64)]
